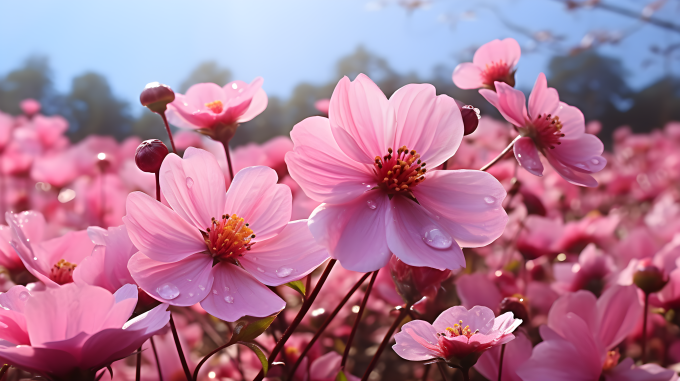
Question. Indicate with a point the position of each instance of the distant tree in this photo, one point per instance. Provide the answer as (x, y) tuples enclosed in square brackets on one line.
[(31, 80), (655, 105), (206, 72)]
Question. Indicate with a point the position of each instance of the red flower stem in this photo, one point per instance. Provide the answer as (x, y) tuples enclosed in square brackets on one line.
[(298, 318), (500, 362), (158, 187), (155, 356), (226, 151), (501, 155), (426, 372), (442, 370), (185, 366), (3, 371), (374, 361), (138, 370), (167, 128), (308, 286), (644, 329), (325, 324), (355, 327)]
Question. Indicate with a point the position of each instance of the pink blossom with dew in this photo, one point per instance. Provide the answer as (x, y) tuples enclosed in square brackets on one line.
[(458, 336), (552, 128), (52, 261), (493, 62), (215, 247), (370, 164), (70, 332)]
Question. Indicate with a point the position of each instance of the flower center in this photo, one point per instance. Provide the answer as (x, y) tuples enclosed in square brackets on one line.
[(229, 237), (62, 272), (612, 360), (215, 106), (497, 71), (546, 131), (459, 330), (397, 173)]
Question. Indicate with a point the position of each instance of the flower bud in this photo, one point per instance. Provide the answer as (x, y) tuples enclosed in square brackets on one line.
[(150, 154), (471, 118), (517, 305), (414, 283), (156, 97), (648, 277), (30, 107)]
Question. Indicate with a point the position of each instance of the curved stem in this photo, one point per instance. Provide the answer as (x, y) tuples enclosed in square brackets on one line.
[(442, 370), (501, 155), (155, 356), (138, 370), (185, 366), (298, 318), (226, 151), (325, 324), (209, 355), (167, 128), (158, 186), (500, 363), (644, 329), (355, 327), (374, 361)]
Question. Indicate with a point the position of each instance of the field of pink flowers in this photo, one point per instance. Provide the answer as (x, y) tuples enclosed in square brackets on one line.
[(400, 238)]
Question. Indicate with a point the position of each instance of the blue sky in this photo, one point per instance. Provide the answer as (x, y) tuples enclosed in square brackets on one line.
[(286, 42)]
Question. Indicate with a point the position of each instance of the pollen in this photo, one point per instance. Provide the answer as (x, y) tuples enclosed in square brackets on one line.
[(547, 131), (459, 330), (399, 172), (496, 71), (228, 237), (215, 106), (62, 272), (612, 360)]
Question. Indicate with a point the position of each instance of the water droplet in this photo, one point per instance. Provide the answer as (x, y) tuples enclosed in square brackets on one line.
[(489, 200), (190, 182), (188, 279), (201, 287), (191, 294), (168, 291), (371, 204), (229, 299), (595, 161), (226, 288), (234, 86), (23, 296), (260, 270), (215, 292), (436, 238), (35, 258), (283, 272)]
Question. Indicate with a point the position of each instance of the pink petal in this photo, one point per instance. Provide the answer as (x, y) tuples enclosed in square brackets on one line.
[(581, 154), (410, 226), (572, 176), (543, 99), (202, 93), (510, 102), (477, 290), (326, 367), (8, 256), (409, 348), (158, 231), (182, 283), (257, 105), (92, 271), (516, 353), (322, 169), (427, 123), (468, 76), (125, 303), (547, 363), (495, 51), (256, 197), (289, 256), (350, 146), (361, 109), (12, 317), (191, 187), (469, 202), (575, 330), (581, 303), (573, 122), (183, 115), (236, 293), (32, 224), (527, 156), (39, 360), (478, 318), (618, 312), (354, 233)]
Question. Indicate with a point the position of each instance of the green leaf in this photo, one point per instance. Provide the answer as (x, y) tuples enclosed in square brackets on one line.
[(260, 355), (341, 376), (298, 286), (248, 328)]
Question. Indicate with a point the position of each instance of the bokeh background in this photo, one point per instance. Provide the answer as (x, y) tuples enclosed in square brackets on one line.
[(618, 61)]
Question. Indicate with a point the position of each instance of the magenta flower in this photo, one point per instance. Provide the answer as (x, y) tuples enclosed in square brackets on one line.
[(215, 110), (52, 261), (458, 336), (217, 248), (516, 353), (552, 128), (370, 164), (493, 62), (70, 332)]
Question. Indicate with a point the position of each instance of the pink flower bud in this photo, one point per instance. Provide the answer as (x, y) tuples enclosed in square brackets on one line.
[(414, 283), (156, 96), (30, 107), (517, 305), (150, 154), (648, 277)]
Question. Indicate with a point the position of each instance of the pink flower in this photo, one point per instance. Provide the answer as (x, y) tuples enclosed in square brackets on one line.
[(322, 105), (552, 128), (586, 330), (30, 106), (368, 163), (217, 248), (516, 353), (493, 62), (458, 336), (52, 261), (324, 368), (70, 332), (592, 272), (215, 110)]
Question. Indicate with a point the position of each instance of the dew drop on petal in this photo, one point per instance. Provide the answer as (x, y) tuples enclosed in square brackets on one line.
[(436, 238), (191, 294), (371, 204), (260, 270), (234, 86), (201, 287), (283, 272), (489, 200), (23, 296), (190, 182), (229, 299), (595, 161), (226, 288), (215, 292), (168, 291)]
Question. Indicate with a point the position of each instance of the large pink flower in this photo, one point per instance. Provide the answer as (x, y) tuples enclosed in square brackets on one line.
[(217, 248), (369, 163), (552, 128), (214, 110), (493, 62), (51, 261), (458, 336), (70, 332), (586, 330)]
